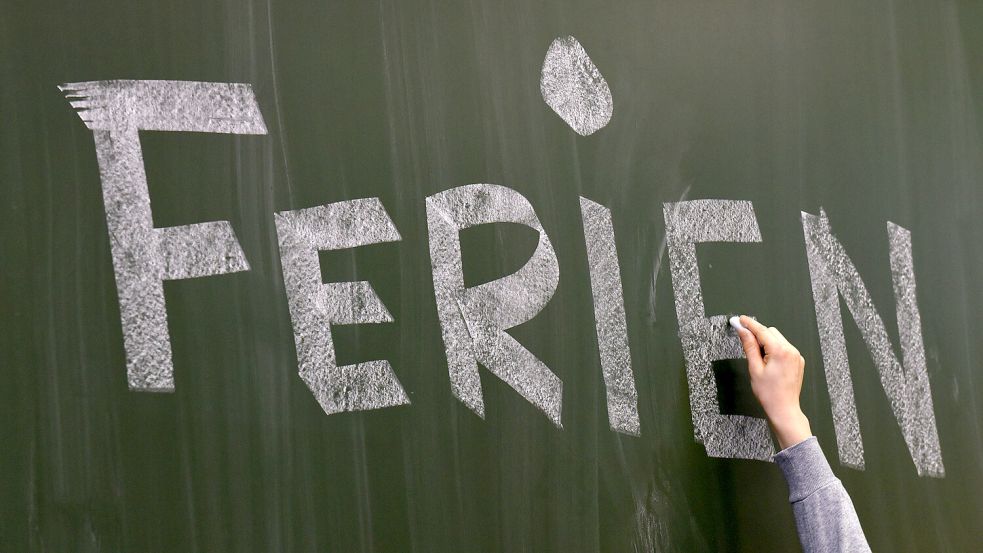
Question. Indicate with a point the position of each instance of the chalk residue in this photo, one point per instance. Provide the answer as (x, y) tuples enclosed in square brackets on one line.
[(907, 386), (144, 256), (705, 340), (652, 534), (473, 320), (573, 87), (315, 306), (609, 317)]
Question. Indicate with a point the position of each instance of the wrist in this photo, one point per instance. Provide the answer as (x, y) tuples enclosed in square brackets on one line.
[(790, 427)]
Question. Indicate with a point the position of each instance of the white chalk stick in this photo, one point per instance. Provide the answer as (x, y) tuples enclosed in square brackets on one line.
[(735, 322)]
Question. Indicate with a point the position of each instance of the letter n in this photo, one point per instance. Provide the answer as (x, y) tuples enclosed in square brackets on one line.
[(906, 385)]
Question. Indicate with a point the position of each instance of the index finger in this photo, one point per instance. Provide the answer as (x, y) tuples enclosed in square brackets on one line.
[(760, 331)]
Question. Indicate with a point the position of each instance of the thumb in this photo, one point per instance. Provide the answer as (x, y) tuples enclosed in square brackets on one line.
[(752, 350)]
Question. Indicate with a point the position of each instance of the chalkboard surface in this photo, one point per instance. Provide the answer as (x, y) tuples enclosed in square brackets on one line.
[(549, 202)]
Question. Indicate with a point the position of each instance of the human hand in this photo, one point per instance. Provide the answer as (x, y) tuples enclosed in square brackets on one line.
[(776, 380)]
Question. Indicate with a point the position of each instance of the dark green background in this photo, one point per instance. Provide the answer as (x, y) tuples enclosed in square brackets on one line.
[(872, 110)]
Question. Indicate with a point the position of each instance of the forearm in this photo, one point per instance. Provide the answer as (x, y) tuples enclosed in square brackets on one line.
[(824, 514)]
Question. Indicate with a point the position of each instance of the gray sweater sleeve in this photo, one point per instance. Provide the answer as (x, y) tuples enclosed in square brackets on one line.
[(824, 514)]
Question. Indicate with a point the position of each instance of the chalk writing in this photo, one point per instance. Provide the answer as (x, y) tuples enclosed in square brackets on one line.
[(315, 306), (705, 340), (573, 87), (907, 386), (609, 317), (473, 320), (144, 256)]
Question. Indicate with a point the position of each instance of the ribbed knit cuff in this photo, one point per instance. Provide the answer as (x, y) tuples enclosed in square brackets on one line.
[(805, 468)]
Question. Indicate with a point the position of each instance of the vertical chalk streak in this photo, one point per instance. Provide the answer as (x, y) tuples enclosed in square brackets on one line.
[(906, 385), (705, 340), (473, 320), (315, 306), (609, 317), (144, 256)]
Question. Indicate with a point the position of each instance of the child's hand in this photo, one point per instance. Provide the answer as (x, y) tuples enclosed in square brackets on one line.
[(776, 380)]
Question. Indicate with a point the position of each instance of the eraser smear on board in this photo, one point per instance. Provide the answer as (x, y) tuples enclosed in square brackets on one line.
[(735, 322)]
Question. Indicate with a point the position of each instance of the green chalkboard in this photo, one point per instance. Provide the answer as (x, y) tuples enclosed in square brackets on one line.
[(867, 112)]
